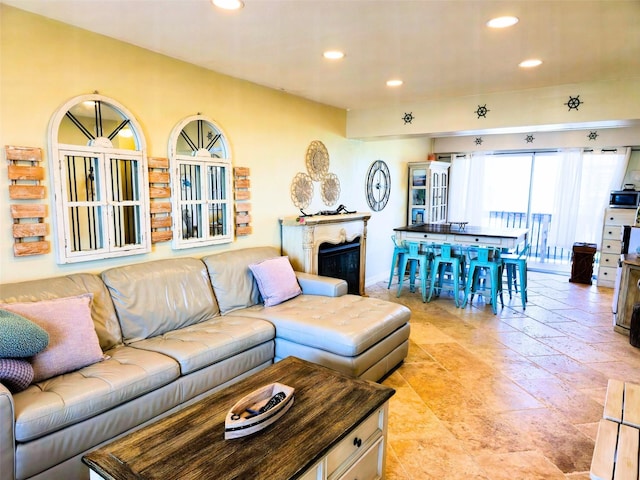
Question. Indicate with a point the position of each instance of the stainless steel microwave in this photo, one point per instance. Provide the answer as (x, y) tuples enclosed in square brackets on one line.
[(624, 199)]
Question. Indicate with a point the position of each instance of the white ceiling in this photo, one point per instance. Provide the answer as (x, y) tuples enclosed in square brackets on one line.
[(440, 48)]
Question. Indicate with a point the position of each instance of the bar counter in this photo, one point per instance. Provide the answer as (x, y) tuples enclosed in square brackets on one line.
[(461, 234)]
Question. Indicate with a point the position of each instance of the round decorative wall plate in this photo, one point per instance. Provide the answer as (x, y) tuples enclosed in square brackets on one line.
[(330, 189), (301, 190), (317, 160), (378, 185)]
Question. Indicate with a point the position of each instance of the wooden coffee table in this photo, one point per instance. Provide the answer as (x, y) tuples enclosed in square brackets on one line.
[(335, 428)]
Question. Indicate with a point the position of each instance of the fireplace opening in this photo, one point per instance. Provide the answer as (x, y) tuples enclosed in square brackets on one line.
[(341, 261)]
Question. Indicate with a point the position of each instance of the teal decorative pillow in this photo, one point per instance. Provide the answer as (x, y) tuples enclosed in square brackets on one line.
[(15, 373), (20, 337)]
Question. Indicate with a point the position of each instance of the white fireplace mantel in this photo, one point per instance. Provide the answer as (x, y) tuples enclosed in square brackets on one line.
[(302, 237)]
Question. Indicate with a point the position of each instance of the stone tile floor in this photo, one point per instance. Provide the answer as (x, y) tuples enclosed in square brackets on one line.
[(515, 395)]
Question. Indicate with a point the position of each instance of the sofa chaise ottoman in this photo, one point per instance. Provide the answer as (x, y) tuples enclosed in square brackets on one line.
[(360, 336)]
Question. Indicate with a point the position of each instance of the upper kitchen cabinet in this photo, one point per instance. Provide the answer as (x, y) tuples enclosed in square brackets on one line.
[(428, 192)]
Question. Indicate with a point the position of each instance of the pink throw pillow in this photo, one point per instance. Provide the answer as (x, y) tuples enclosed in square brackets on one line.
[(73, 342), (276, 280)]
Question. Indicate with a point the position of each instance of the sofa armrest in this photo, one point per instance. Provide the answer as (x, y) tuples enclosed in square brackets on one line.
[(318, 285), (7, 439)]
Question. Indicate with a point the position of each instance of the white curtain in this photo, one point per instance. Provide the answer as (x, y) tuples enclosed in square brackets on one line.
[(623, 155), (466, 182), (581, 194), (564, 218), (603, 171)]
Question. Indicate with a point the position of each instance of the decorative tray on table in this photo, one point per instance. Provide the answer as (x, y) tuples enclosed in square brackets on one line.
[(258, 410)]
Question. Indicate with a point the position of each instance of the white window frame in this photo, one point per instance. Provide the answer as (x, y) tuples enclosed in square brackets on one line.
[(101, 149), (203, 197)]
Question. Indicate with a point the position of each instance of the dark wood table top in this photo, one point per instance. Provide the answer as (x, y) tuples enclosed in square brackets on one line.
[(455, 228), (190, 444)]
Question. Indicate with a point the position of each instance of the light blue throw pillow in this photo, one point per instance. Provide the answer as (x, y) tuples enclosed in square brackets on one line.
[(20, 337)]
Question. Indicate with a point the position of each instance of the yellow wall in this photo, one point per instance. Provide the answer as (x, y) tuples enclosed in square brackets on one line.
[(45, 63)]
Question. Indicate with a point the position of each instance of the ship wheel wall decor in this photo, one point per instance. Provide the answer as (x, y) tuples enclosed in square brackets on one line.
[(378, 185), (317, 160)]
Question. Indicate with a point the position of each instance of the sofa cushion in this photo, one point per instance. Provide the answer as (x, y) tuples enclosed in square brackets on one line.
[(232, 281), (15, 373), (71, 398), (209, 342), (153, 298), (73, 342), (19, 336), (104, 316), (346, 325), (276, 280)]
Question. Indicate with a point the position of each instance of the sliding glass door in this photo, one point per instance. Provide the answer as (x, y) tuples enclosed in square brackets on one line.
[(560, 196)]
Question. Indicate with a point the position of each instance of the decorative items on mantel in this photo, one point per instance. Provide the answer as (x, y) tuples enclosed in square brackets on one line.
[(242, 184), (159, 193), (26, 175)]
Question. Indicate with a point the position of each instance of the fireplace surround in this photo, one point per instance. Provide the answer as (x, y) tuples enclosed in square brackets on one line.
[(303, 238)]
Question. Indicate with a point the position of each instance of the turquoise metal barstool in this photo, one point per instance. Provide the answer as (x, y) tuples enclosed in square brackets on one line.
[(423, 259), (513, 262), (398, 252), (447, 259), (487, 260)]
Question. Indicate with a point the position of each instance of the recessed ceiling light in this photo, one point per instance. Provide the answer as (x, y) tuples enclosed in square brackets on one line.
[(333, 54), (502, 22), (394, 83), (534, 62), (228, 4)]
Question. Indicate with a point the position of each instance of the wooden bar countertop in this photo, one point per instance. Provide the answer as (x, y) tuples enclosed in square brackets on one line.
[(190, 444)]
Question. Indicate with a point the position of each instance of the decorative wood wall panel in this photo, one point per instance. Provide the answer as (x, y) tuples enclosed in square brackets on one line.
[(25, 174), (160, 210), (29, 230), (242, 185)]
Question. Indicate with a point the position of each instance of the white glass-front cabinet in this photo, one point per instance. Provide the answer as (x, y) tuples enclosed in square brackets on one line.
[(428, 192)]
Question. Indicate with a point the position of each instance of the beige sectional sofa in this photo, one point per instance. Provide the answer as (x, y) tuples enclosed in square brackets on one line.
[(173, 331)]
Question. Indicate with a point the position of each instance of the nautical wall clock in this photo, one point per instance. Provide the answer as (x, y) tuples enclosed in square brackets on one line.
[(378, 185)]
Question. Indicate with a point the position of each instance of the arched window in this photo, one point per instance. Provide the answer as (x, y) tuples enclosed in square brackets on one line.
[(201, 190), (99, 178)]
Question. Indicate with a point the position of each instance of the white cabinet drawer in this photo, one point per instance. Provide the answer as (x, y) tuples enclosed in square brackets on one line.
[(611, 246), (612, 232), (465, 239), (607, 276), (369, 466), (609, 260), (355, 441), (425, 237), (619, 216)]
